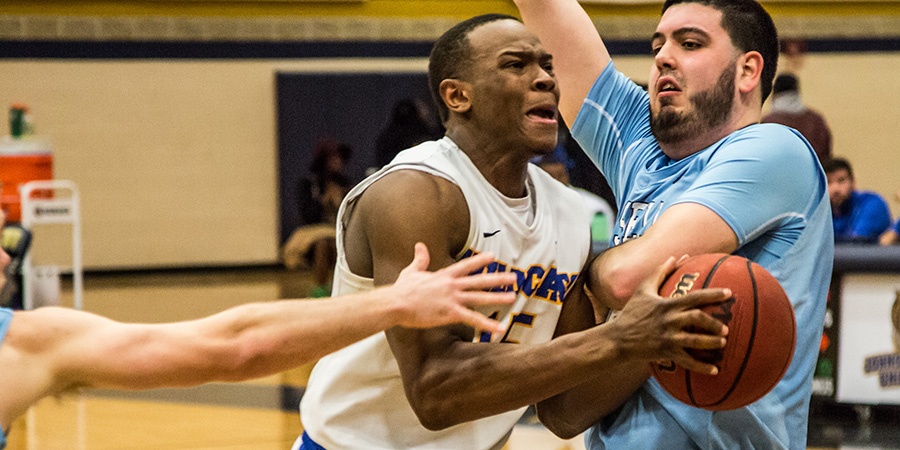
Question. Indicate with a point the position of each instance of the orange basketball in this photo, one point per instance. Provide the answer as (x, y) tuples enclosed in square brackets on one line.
[(761, 337)]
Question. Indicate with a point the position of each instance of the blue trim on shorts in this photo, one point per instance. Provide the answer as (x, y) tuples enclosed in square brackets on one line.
[(308, 444)]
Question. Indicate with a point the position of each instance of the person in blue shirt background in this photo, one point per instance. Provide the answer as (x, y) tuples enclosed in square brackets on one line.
[(858, 216), (892, 235)]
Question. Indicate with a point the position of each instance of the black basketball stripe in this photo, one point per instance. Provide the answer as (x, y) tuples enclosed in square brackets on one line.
[(737, 378), (752, 332), (687, 373)]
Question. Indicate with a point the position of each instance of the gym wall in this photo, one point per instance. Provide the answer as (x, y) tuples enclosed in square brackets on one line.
[(164, 113)]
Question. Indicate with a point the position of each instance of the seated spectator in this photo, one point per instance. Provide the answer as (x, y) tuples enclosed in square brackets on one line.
[(410, 125), (788, 109), (858, 216), (557, 164), (312, 244), (891, 236)]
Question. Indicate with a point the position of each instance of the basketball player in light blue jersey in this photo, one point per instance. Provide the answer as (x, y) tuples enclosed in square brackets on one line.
[(693, 172)]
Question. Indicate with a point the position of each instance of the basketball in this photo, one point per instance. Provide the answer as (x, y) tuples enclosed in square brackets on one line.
[(761, 333)]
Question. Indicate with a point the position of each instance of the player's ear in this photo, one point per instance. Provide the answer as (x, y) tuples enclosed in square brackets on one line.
[(456, 95), (749, 71)]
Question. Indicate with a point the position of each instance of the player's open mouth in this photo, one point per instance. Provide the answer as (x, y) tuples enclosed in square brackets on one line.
[(542, 114), (667, 86)]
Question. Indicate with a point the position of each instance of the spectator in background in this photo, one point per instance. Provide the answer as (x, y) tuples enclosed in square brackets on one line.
[(788, 109), (410, 125), (318, 198), (892, 235), (558, 164), (858, 216)]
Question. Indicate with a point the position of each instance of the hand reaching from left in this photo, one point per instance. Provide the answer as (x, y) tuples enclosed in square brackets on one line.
[(431, 299)]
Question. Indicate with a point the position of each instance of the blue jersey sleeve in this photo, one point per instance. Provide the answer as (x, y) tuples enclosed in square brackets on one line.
[(751, 182), (615, 114)]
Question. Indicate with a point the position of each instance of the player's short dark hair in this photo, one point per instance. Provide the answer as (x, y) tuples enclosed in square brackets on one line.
[(324, 150), (785, 83), (832, 165), (451, 55), (751, 29)]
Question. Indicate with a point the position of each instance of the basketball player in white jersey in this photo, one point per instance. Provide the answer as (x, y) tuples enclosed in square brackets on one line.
[(471, 192), (51, 350)]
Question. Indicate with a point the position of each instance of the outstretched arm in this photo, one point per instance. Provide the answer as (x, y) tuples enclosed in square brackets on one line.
[(579, 55), (49, 350)]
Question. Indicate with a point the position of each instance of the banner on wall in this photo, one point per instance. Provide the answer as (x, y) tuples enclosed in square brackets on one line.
[(869, 361), (824, 381)]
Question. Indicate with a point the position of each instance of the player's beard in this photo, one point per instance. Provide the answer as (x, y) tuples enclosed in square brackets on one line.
[(711, 108)]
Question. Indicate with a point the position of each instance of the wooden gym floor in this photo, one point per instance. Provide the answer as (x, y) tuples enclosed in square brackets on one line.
[(262, 414)]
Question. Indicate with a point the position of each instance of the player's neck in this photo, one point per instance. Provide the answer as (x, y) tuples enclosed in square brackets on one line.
[(503, 168), (688, 146)]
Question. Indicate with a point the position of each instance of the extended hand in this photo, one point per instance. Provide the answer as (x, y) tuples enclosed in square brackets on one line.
[(431, 299), (653, 328)]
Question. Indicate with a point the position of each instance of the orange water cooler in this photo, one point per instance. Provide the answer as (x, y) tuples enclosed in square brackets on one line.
[(22, 160)]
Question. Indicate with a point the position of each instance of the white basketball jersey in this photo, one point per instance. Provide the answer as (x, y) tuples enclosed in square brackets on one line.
[(355, 397)]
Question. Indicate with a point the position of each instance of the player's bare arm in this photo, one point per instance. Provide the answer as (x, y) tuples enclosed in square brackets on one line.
[(58, 349), (249, 340), (683, 229), (438, 364), (579, 55), (649, 325), (571, 412)]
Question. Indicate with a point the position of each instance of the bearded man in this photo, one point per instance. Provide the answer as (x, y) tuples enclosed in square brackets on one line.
[(693, 171)]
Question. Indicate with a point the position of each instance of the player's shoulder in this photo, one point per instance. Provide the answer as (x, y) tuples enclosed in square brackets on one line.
[(423, 152), (416, 174), (869, 197), (408, 188), (772, 141), (774, 132)]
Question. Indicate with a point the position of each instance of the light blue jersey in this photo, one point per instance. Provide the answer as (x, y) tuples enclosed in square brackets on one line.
[(765, 182), (6, 315)]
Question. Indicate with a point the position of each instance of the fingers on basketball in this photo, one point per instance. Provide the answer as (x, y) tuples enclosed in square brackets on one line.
[(761, 333)]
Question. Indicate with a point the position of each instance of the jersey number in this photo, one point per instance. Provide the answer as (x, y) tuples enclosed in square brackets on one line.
[(521, 319)]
